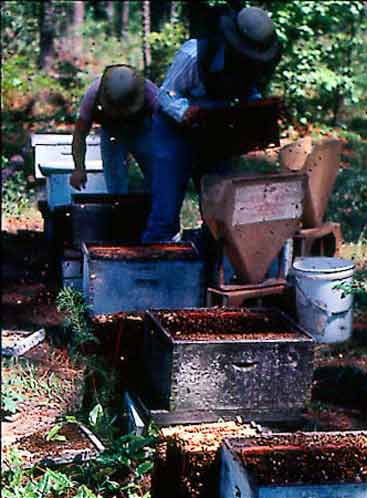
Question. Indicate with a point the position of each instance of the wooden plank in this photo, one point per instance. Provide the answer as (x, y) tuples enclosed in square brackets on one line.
[(22, 344)]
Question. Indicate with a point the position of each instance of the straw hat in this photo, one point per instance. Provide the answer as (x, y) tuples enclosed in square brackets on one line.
[(121, 87), (251, 32)]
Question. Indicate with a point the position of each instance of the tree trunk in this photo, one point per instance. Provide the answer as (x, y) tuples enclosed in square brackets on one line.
[(174, 11), (110, 17), (203, 18), (147, 57), (78, 20), (125, 19), (47, 33), (160, 13)]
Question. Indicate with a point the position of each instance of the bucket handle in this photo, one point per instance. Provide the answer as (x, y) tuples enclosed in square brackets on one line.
[(309, 300)]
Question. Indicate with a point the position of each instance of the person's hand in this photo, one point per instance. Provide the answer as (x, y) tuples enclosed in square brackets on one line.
[(192, 116), (78, 179)]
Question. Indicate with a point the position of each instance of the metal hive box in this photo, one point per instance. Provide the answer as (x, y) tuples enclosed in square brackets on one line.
[(54, 150), (59, 190), (227, 362), (137, 278), (307, 465), (253, 216)]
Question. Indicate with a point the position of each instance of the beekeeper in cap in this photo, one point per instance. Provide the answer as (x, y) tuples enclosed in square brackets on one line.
[(122, 102)]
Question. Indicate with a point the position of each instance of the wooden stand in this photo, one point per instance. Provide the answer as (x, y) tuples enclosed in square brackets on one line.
[(325, 240), (235, 295)]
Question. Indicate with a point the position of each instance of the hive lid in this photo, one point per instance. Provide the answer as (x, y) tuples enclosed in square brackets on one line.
[(67, 166), (53, 139), (322, 264), (103, 198)]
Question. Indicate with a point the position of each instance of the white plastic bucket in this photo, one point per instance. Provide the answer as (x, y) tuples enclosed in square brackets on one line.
[(324, 311)]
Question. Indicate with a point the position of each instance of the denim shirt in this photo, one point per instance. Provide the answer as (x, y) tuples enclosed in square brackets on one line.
[(183, 87)]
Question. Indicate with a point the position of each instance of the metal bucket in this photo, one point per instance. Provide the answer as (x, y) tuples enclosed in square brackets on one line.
[(324, 310)]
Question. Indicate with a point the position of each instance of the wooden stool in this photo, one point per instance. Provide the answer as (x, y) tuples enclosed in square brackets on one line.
[(320, 241), (236, 295)]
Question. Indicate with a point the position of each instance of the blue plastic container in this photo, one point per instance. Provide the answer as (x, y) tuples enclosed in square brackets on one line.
[(138, 278)]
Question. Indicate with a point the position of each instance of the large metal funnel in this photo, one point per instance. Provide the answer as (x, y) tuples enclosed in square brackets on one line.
[(253, 216), (321, 163)]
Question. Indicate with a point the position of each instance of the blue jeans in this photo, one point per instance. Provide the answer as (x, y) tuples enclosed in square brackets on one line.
[(137, 141), (174, 158)]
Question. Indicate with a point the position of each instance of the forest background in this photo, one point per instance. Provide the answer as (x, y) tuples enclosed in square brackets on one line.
[(52, 51)]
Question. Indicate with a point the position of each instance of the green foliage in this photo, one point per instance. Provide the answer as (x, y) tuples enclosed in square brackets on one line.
[(17, 195), (54, 433), (21, 77), (18, 482), (104, 50), (348, 203), (19, 23), (120, 468), (129, 459), (190, 212), (71, 303), (357, 288), (10, 397), (21, 380), (320, 39), (164, 46), (101, 419)]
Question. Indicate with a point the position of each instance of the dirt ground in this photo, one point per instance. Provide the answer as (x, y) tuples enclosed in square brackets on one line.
[(29, 288), (28, 303)]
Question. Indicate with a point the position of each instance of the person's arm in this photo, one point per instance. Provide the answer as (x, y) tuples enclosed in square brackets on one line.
[(78, 178), (182, 76)]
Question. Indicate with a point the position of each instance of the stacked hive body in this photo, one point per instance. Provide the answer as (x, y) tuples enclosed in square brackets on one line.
[(136, 278), (311, 465), (53, 160), (187, 463), (187, 364), (205, 364), (102, 217)]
